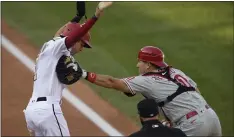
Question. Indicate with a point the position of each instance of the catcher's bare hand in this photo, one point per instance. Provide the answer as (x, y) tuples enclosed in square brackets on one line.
[(101, 6)]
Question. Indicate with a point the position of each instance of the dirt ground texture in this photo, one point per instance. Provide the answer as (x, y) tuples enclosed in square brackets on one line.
[(17, 82)]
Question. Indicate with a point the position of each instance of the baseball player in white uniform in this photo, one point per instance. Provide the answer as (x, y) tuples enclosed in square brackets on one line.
[(43, 113), (177, 94)]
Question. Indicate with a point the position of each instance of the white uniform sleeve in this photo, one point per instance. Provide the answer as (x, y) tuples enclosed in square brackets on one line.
[(137, 84), (57, 47)]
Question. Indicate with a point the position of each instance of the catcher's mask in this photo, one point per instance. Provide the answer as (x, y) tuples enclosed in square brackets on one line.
[(153, 55), (74, 26)]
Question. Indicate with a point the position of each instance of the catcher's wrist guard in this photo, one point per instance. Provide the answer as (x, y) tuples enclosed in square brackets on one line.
[(90, 76)]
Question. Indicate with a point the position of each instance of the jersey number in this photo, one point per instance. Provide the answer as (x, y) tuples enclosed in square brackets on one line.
[(182, 80)]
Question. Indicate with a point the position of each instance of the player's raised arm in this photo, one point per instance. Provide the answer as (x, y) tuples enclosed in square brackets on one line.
[(80, 13), (76, 34)]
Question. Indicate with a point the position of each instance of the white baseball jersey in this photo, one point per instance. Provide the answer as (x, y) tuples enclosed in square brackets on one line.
[(45, 118), (159, 88), (46, 82)]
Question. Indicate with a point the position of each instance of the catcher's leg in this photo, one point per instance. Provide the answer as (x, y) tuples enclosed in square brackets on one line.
[(194, 126), (197, 125)]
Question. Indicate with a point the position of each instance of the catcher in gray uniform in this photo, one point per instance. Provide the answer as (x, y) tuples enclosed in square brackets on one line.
[(177, 94)]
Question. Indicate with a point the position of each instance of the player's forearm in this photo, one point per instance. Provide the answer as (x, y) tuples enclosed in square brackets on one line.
[(100, 80), (106, 81), (76, 34)]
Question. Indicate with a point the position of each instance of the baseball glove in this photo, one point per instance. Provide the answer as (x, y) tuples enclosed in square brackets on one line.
[(68, 70), (80, 11), (80, 8)]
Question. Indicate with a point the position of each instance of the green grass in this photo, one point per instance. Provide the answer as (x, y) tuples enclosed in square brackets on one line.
[(197, 37)]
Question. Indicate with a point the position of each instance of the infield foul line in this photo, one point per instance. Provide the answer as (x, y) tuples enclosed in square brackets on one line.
[(72, 99)]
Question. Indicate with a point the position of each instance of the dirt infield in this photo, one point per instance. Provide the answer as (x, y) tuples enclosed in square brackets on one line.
[(17, 81)]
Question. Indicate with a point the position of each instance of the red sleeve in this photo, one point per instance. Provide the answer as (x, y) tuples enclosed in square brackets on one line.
[(78, 33)]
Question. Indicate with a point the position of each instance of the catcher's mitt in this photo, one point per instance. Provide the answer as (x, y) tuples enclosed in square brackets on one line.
[(68, 70)]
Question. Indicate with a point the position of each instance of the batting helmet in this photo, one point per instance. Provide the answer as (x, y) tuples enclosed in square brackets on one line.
[(153, 55), (74, 26)]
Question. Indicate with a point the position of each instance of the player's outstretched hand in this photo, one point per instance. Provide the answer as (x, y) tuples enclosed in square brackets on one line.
[(101, 7)]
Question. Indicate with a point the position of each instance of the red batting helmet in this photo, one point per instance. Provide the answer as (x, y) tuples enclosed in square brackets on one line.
[(72, 26), (153, 55)]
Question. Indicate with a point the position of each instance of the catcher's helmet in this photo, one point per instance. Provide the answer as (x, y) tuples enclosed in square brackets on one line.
[(153, 55), (73, 26)]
